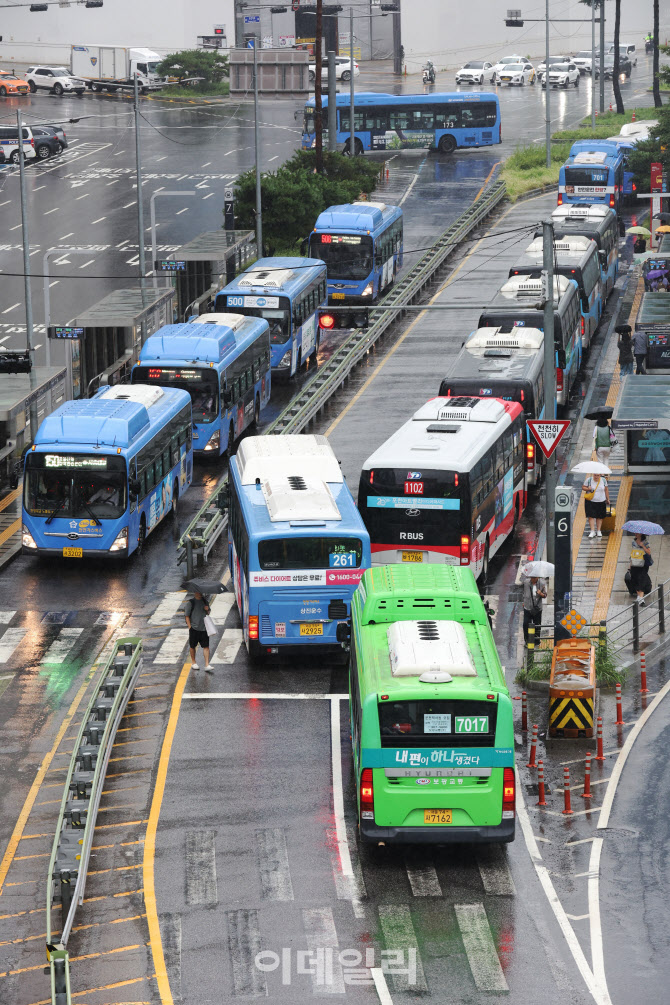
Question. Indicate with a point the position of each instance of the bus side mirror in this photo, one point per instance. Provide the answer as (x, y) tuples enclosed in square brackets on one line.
[(602, 255), (135, 487), (227, 397), (303, 247)]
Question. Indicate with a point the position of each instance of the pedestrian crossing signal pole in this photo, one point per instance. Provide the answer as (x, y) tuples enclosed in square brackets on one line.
[(550, 363)]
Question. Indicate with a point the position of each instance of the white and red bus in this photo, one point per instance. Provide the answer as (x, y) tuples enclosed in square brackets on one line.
[(449, 486)]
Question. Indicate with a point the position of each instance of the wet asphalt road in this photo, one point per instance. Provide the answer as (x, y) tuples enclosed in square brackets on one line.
[(246, 858)]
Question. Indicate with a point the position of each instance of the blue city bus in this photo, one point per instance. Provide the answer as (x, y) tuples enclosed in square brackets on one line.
[(297, 546), (599, 224), (223, 361), (287, 292), (613, 145), (361, 244), (592, 176), (104, 471), (397, 121), (576, 258)]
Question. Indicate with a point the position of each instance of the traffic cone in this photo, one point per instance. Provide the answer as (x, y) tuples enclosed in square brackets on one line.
[(633, 117)]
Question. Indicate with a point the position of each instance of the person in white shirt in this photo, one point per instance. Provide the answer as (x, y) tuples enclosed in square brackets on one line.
[(596, 501)]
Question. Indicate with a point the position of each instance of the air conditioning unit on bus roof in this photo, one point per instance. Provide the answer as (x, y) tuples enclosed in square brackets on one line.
[(461, 408), (521, 287), (381, 206), (430, 647), (298, 499), (573, 211), (233, 321), (307, 454), (496, 338), (267, 278), (140, 394), (590, 157), (566, 245)]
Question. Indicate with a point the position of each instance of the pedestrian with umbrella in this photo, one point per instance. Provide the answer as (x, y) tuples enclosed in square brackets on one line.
[(640, 346), (196, 614), (603, 438), (637, 577), (625, 347), (597, 496), (534, 592)]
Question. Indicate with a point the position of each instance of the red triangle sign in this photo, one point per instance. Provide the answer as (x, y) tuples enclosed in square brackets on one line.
[(548, 433)]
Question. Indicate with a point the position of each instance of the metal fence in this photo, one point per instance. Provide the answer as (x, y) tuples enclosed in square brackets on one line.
[(637, 627), (68, 864), (209, 523)]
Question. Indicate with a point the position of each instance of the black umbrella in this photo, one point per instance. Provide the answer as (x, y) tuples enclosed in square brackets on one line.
[(601, 411), (204, 586), (664, 217)]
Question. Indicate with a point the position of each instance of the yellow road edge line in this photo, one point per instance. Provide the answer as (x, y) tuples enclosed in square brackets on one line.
[(604, 594), (155, 940), (10, 531), (486, 181), (382, 363)]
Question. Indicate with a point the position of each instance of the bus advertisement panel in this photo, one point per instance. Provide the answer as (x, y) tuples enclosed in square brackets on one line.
[(433, 751), (104, 471)]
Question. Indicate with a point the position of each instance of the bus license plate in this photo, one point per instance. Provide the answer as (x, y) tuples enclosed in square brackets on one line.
[(311, 629), (437, 816), (337, 296), (73, 552), (412, 556)]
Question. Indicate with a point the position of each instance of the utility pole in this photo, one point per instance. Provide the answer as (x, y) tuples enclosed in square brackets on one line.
[(397, 57), (318, 104), (26, 270), (547, 90), (352, 139), (138, 175), (549, 373), (602, 56), (593, 66), (332, 104), (257, 143)]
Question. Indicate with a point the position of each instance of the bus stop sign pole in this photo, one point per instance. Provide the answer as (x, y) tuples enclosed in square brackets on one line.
[(562, 559)]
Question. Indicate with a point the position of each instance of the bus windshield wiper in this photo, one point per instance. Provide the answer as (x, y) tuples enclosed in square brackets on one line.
[(91, 513), (60, 505)]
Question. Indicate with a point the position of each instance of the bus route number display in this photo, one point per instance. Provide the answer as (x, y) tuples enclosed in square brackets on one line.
[(340, 239), (342, 560), (73, 461), (156, 373), (472, 723)]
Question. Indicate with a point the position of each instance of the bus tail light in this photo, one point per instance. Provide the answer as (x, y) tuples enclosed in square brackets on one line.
[(612, 203), (559, 379), (508, 798), (253, 626), (465, 550), (367, 795), (583, 328), (560, 199), (530, 456), (634, 187)]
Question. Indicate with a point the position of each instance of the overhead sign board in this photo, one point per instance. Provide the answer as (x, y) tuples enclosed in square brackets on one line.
[(252, 19), (65, 331), (548, 433), (169, 265), (635, 423)]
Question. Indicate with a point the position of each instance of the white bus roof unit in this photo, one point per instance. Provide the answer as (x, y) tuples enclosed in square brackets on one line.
[(524, 288), (304, 455), (590, 157), (461, 409), (430, 647), (232, 321), (295, 499), (573, 211), (499, 338), (266, 278), (141, 394), (576, 244)]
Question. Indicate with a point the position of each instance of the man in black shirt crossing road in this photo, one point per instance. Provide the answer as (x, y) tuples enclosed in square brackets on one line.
[(195, 612)]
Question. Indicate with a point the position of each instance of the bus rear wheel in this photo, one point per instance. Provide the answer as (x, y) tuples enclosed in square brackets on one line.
[(141, 536), (483, 578), (175, 500), (447, 145), (231, 441), (257, 410)]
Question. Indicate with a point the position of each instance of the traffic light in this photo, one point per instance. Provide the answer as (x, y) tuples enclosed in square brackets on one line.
[(513, 19), (329, 320), (278, 10), (391, 8), (93, 3), (15, 362), (35, 7)]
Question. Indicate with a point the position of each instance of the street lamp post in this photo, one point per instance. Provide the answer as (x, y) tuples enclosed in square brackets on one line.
[(152, 209), (47, 308)]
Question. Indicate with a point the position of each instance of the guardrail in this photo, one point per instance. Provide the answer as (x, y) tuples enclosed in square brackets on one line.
[(71, 849), (209, 522), (639, 627)]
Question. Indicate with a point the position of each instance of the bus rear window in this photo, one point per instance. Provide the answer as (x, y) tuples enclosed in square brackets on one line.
[(310, 553), (586, 177), (437, 723)]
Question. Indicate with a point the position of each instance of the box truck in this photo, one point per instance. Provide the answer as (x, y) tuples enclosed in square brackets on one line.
[(112, 67)]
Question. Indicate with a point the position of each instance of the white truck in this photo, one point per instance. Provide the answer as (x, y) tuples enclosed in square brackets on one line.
[(112, 67)]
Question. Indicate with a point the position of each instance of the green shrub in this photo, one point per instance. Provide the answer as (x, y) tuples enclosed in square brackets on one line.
[(526, 168)]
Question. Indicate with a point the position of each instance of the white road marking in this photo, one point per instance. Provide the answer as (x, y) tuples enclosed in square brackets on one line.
[(413, 182), (581, 840), (599, 993), (252, 695), (211, 193), (381, 986), (71, 234), (346, 888), (181, 177), (207, 163), (90, 262), (423, 880), (606, 808), (7, 676), (480, 947), (170, 925), (164, 158), (276, 157), (595, 927), (134, 202), (577, 917), (133, 261), (59, 650), (168, 608), (120, 153), (173, 646), (220, 607), (200, 855), (7, 201), (185, 209), (16, 227), (321, 934), (273, 864), (6, 616), (36, 252), (229, 646), (38, 188), (10, 641), (54, 210), (116, 180), (244, 944), (99, 220), (399, 934), (11, 308), (338, 791), (55, 283), (494, 870)]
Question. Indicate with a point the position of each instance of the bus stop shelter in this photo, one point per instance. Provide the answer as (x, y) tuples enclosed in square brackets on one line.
[(654, 318), (206, 264), (24, 396), (642, 415)]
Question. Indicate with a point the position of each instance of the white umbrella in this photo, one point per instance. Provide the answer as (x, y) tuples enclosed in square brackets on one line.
[(590, 468), (542, 569)]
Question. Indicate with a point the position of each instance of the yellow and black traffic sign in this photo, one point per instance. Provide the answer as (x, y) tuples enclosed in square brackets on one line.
[(573, 621), (570, 717)]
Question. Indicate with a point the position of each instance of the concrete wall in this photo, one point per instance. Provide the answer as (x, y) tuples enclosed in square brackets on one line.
[(452, 31), (162, 25)]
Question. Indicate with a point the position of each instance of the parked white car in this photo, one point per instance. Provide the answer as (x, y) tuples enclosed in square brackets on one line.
[(54, 78), (583, 61), (476, 72), (516, 75), (562, 75), (541, 67), (342, 69)]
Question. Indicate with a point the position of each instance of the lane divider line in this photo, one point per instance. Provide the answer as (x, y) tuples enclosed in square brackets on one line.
[(381, 986)]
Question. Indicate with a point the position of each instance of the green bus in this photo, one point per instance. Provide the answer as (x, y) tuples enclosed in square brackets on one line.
[(431, 716)]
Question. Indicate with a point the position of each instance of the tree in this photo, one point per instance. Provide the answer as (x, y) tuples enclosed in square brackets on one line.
[(654, 150), (615, 74), (658, 102), (318, 102), (212, 67)]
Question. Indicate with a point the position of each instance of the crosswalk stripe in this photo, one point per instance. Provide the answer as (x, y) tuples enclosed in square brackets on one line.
[(423, 879), (229, 646), (172, 647), (480, 948), (273, 860), (201, 868), (6, 617), (495, 872), (168, 608), (171, 935), (220, 607), (399, 936), (12, 638), (59, 649), (321, 935), (244, 943), (348, 888)]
